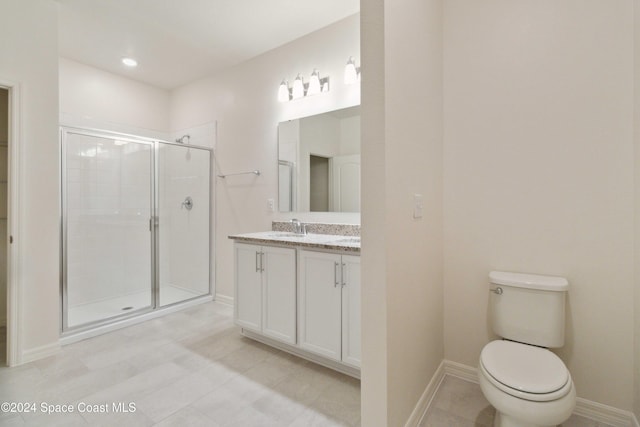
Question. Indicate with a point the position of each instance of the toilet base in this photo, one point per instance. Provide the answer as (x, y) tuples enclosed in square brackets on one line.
[(514, 412), (503, 420)]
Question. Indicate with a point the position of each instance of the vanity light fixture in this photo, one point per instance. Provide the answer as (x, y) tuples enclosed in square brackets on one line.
[(130, 62), (284, 93), (314, 83), (300, 89), (351, 72)]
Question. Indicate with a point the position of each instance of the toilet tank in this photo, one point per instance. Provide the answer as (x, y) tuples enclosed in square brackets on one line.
[(529, 308)]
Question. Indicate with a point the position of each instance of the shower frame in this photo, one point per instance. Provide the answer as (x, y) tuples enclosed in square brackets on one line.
[(155, 309)]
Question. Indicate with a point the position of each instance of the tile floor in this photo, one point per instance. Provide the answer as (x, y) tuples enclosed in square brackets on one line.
[(190, 368), (193, 368)]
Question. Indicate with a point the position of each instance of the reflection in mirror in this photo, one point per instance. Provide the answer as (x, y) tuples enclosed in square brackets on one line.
[(319, 163)]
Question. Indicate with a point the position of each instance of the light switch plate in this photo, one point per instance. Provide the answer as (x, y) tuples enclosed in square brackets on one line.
[(418, 206), (271, 205)]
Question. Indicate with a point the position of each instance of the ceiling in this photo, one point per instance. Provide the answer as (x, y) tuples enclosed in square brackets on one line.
[(179, 41)]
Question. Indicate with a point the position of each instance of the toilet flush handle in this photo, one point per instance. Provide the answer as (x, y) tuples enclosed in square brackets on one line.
[(497, 290)]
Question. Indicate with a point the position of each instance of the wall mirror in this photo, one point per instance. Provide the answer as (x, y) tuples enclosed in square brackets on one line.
[(319, 162)]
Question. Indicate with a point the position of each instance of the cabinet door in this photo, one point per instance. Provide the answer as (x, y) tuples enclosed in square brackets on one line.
[(279, 293), (351, 310), (248, 287), (319, 295)]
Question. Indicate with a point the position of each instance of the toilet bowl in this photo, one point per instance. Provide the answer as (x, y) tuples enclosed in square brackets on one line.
[(529, 386)]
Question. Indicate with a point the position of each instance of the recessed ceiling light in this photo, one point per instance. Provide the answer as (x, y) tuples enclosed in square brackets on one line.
[(130, 62)]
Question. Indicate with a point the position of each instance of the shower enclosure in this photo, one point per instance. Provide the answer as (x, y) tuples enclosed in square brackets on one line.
[(136, 226)]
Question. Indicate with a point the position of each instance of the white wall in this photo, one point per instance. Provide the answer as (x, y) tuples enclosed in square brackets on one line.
[(29, 58), (243, 101), (401, 256), (636, 137), (539, 172), (350, 137), (90, 97)]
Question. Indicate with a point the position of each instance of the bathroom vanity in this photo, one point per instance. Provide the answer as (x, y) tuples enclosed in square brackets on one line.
[(301, 294)]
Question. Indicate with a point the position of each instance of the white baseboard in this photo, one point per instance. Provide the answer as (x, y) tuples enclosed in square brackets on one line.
[(427, 396), (39, 352), (604, 413), (223, 299), (586, 408), (458, 370)]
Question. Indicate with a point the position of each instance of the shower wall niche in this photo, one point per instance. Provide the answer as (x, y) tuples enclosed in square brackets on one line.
[(135, 226)]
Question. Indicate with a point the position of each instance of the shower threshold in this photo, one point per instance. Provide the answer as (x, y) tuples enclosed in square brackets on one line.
[(172, 299)]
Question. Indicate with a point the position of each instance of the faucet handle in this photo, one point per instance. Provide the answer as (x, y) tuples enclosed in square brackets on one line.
[(298, 226)]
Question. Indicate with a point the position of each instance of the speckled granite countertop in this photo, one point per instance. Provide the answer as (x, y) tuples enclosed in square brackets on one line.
[(310, 240), (352, 230)]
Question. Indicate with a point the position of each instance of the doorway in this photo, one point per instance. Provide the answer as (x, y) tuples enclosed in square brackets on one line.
[(318, 183)]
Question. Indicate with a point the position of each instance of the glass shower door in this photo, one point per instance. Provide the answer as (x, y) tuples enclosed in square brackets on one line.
[(183, 192), (107, 206)]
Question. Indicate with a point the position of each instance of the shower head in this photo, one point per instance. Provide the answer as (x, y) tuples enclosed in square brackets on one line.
[(182, 138)]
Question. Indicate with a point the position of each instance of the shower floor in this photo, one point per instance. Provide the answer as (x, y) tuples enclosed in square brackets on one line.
[(111, 307)]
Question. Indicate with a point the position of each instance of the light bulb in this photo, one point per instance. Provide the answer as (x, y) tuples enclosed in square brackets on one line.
[(283, 91), (298, 88), (314, 83), (130, 62), (350, 72)]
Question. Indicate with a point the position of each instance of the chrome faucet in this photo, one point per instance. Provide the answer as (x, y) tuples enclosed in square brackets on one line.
[(299, 228)]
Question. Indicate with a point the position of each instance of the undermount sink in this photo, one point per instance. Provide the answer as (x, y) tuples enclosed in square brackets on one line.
[(312, 238), (355, 239), (286, 235), (308, 240)]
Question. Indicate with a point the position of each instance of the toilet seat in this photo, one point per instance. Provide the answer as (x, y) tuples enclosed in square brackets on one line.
[(525, 371)]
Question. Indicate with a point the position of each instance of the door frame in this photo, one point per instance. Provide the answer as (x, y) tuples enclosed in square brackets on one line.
[(14, 225)]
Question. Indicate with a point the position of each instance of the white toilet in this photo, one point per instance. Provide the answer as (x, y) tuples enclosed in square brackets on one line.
[(527, 384)]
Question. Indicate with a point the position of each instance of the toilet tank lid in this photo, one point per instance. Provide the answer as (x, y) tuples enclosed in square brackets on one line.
[(530, 281)]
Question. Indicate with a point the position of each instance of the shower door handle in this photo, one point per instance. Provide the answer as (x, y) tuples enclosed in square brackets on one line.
[(154, 221)]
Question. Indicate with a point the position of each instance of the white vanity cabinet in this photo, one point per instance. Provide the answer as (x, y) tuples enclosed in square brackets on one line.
[(329, 305), (265, 290)]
